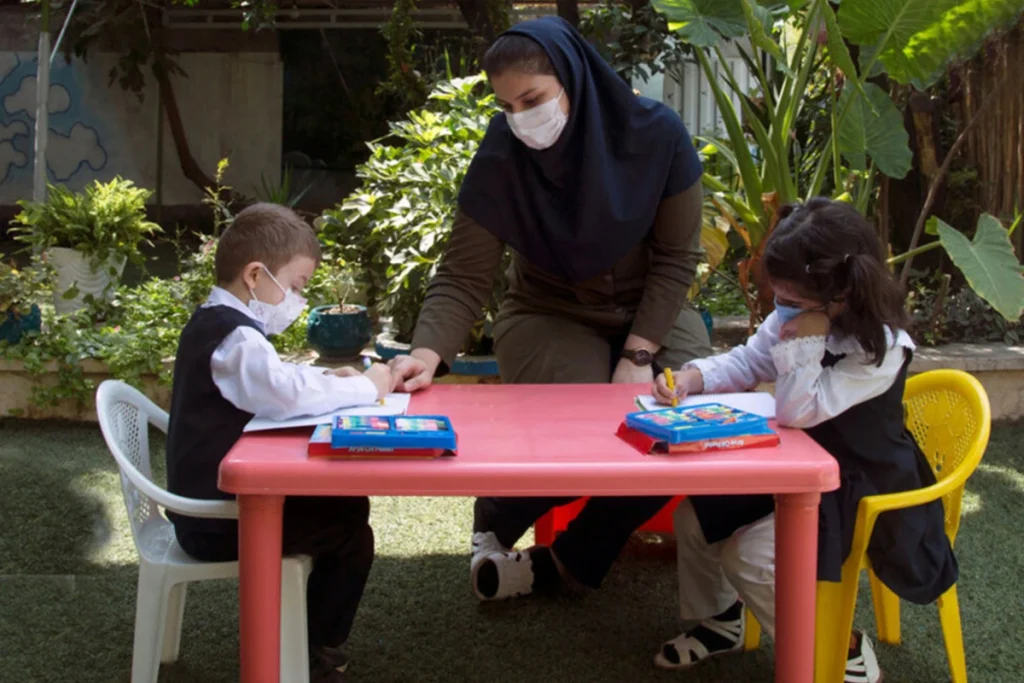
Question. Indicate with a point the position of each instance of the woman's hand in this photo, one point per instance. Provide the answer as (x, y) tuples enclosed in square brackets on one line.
[(628, 373), (415, 371), (687, 382), (809, 324)]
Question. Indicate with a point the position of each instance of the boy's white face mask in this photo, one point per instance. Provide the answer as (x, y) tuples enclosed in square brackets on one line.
[(276, 318), (539, 128)]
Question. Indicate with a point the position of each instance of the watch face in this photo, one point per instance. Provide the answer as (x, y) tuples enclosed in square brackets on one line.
[(641, 357)]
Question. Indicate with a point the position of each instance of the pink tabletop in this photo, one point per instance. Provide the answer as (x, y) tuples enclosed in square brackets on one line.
[(522, 440)]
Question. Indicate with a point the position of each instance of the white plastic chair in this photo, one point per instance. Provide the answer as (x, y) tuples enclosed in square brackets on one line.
[(164, 568)]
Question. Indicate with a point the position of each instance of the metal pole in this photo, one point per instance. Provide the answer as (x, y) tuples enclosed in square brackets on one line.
[(42, 103), (63, 30)]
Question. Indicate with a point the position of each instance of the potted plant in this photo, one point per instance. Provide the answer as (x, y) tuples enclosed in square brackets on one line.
[(88, 236), (339, 331), (18, 287)]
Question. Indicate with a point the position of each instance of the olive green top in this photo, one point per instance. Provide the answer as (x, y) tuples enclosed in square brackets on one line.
[(643, 293)]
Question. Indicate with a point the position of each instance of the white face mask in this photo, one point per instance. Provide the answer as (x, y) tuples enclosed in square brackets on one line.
[(539, 128), (276, 318)]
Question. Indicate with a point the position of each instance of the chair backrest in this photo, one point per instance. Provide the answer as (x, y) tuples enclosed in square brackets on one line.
[(948, 413), (125, 415)]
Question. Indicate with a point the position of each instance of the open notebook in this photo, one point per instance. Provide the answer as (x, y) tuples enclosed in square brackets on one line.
[(394, 404), (758, 403)]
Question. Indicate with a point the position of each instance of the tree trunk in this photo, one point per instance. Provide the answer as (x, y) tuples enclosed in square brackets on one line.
[(570, 11), (189, 166)]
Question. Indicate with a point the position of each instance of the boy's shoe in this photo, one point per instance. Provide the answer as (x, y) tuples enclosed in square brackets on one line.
[(497, 573), (861, 663), (327, 665), (719, 635)]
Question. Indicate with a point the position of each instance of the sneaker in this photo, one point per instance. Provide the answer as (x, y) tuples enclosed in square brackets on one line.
[(502, 575), (322, 668), (335, 656), (719, 635), (861, 663)]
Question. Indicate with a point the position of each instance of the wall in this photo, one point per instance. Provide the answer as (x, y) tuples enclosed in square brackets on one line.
[(231, 106)]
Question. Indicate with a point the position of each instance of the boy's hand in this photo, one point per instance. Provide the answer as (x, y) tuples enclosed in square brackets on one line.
[(382, 378), (415, 371), (687, 382), (809, 324)]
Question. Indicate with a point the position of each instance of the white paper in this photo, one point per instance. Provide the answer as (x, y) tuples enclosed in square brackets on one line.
[(758, 403), (394, 404)]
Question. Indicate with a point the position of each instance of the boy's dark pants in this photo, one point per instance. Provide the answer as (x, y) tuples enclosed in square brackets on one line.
[(336, 533)]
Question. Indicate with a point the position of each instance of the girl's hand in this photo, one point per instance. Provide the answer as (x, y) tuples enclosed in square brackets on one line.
[(687, 382), (809, 324), (627, 373)]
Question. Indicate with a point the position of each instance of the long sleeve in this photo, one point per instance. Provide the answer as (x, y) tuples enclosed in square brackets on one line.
[(675, 254), (460, 288), (249, 373), (807, 394), (744, 367)]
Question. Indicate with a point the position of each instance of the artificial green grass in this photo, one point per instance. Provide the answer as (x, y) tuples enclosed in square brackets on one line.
[(68, 571)]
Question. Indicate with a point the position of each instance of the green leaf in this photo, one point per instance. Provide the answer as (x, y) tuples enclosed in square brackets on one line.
[(881, 136), (989, 264), (915, 39), (703, 22), (837, 50), (759, 36), (931, 227)]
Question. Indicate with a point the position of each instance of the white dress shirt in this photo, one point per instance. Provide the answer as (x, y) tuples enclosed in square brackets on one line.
[(806, 394), (252, 377)]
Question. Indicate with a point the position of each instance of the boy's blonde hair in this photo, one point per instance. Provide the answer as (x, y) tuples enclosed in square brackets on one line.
[(270, 234)]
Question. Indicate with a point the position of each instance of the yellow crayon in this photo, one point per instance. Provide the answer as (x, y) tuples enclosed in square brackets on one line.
[(671, 382)]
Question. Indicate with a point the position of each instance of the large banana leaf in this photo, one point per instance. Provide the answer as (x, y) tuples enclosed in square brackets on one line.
[(703, 22), (989, 264), (882, 136), (915, 39)]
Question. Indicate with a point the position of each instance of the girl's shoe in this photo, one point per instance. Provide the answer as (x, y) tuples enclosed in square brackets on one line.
[(861, 663), (719, 635)]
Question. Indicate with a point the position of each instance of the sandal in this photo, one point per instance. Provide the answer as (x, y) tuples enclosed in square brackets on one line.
[(710, 638)]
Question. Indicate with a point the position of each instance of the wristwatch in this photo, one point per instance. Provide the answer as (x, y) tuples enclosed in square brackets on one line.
[(638, 357)]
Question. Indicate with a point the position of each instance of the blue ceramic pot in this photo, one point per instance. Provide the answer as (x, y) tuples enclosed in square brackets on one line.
[(339, 336), (470, 366), (12, 326)]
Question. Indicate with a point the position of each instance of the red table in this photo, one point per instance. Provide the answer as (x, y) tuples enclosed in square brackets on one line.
[(519, 440)]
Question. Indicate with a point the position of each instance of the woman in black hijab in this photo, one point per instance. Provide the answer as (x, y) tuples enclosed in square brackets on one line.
[(597, 192)]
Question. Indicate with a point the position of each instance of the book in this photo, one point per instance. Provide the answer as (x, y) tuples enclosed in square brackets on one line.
[(394, 404), (651, 445), (375, 431), (320, 447), (756, 402)]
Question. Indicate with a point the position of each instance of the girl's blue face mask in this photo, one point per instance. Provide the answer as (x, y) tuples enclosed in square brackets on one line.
[(786, 313)]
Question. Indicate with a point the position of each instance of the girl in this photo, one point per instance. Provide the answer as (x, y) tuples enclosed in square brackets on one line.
[(837, 350), (597, 193)]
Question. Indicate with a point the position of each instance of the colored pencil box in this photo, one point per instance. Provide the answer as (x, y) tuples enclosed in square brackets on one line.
[(698, 423), (393, 431), (320, 447)]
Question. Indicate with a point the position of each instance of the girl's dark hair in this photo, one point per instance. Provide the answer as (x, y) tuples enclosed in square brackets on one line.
[(831, 253), (515, 52)]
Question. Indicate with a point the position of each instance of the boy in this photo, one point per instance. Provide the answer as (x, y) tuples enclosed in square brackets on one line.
[(225, 373)]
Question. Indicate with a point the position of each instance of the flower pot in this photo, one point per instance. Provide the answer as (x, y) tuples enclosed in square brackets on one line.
[(337, 334), (76, 270), (14, 325)]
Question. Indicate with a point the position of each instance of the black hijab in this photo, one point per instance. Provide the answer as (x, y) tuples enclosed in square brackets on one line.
[(577, 208)]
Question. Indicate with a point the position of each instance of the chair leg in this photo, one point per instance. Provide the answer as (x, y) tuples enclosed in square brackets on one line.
[(294, 628), (887, 611), (172, 624), (544, 529), (834, 622), (150, 621), (952, 634), (752, 635)]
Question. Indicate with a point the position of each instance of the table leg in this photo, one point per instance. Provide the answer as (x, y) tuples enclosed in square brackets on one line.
[(259, 587), (796, 573)]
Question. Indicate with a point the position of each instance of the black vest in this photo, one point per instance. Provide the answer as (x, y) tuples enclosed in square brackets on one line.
[(909, 550), (203, 424)]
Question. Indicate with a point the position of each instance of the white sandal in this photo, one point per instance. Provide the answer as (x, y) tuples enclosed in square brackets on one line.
[(863, 666), (686, 650), (515, 568)]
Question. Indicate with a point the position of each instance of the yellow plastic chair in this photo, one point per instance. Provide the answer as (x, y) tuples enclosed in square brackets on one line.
[(948, 413)]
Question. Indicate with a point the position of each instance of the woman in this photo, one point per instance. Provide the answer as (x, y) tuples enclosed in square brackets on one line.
[(597, 192)]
